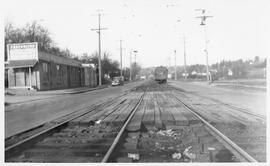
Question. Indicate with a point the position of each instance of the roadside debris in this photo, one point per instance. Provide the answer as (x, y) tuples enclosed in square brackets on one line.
[(187, 149), (171, 147), (191, 156), (134, 156), (186, 152), (97, 154), (168, 132), (211, 157), (177, 156), (98, 121)]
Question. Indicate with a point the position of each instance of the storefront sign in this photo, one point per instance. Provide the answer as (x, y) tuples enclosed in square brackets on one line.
[(22, 51)]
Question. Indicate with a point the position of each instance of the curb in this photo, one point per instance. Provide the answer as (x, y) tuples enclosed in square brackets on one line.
[(7, 104)]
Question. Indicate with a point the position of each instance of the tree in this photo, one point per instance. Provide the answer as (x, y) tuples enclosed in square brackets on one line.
[(126, 73), (34, 32), (256, 59), (109, 67), (239, 69), (31, 32), (12, 35)]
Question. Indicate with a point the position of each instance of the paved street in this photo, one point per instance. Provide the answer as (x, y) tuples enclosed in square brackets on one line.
[(255, 101), (22, 117)]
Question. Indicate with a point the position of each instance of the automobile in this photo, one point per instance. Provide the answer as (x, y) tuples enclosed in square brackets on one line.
[(117, 81)]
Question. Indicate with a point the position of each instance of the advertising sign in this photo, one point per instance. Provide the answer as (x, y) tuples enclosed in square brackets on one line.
[(22, 51)]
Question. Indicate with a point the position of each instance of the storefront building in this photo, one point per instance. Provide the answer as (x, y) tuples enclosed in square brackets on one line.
[(32, 69)]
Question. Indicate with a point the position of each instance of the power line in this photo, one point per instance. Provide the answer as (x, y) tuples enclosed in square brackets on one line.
[(98, 30), (203, 18), (175, 72), (130, 65), (131, 68), (135, 66), (184, 40), (121, 58), (185, 57)]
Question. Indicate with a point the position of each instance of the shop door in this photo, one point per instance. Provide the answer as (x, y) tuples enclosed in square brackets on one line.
[(20, 77)]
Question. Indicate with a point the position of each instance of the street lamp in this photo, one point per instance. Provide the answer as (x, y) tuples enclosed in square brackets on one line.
[(135, 56), (134, 51), (185, 65), (203, 18)]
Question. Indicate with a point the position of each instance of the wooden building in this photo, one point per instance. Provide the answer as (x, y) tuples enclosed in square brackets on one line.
[(44, 71)]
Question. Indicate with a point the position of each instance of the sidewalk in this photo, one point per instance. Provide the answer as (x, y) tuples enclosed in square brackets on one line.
[(18, 96)]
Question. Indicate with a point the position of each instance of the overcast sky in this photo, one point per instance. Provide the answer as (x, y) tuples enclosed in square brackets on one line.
[(238, 28)]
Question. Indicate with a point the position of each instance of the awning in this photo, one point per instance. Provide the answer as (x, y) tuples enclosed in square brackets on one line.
[(21, 63)]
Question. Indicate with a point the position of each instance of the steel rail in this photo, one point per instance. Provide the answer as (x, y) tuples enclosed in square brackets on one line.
[(117, 138), (243, 110), (19, 146), (228, 143), (16, 148)]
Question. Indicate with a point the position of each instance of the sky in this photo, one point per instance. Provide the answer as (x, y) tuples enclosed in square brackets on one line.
[(154, 28)]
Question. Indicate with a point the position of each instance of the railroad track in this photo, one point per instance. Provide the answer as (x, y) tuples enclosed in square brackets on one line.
[(246, 129), (228, 143), (74, 133), (234, 107), (150, 124)]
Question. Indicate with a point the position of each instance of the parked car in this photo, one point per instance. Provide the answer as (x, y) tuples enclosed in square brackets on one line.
[(118, 81)]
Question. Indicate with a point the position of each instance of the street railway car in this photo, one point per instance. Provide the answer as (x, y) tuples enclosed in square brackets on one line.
[(161, 74)]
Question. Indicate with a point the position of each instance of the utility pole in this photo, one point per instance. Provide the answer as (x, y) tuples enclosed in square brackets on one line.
[(175, 73), (135, 59), (203, 18), (135, 69), (185, 58), (169, 60), (121, 58), (99, 47), (130, 71)]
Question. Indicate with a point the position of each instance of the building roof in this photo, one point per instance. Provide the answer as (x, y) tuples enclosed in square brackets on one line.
[(59, 60), (21, 63)]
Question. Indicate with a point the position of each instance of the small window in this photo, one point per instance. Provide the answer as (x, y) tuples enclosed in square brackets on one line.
[(57, 67), (45, 67)]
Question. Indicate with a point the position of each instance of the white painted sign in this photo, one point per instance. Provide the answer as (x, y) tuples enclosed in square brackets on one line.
[(88, 65), (22, 51)]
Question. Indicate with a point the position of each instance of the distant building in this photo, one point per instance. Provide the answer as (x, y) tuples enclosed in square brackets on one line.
[(143, 77), (185, 74), (193, 72), (30, 68), (230, 72)]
